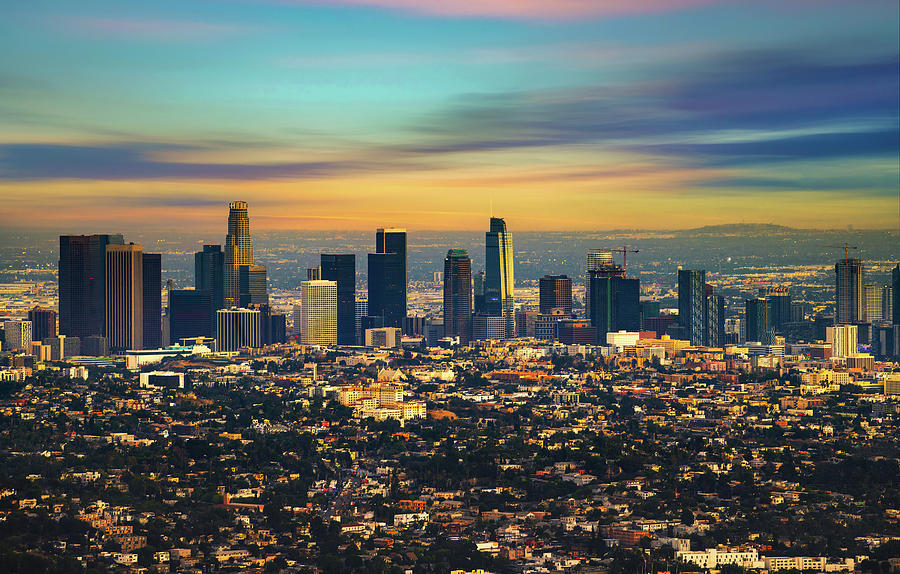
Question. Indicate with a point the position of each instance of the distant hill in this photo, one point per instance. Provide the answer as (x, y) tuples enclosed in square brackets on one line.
[(740, 229)]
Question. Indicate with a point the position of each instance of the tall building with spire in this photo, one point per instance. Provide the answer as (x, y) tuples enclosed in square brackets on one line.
[(458, 295), (498, 275), (238, 250)]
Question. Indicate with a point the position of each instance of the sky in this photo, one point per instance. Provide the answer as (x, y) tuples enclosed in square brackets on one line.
[(433, 114)]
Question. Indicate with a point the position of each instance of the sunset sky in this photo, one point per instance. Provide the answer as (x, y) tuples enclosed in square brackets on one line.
[(354, 114)]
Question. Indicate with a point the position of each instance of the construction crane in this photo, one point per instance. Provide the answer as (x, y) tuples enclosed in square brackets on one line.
[(846, 247), (625, 251)]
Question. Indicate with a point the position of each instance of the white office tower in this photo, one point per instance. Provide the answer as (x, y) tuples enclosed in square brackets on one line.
[(318, 315), (843, 340), (236, 328)]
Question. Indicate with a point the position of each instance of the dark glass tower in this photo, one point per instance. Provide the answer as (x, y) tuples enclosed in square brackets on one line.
[(209, 273), (152, 300), (779, 306), (82, 284), (759, 322), (555, 292), (498, 275), (43, 323), (190, 314), (692, 303), (615, 303), (387, 277), (341, 268), (458, 295), (849, 301), (715, 319), (478, 292), (253, 286)]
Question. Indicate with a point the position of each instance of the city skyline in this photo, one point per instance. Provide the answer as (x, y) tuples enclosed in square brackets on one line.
[(662, 114)]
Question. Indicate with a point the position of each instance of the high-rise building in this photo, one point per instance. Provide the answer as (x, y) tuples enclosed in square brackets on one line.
[(615, 302), (236, 328), (43, 323), (872, 297), (458, 295), (252, 285), (341, 268), (191, 314), (82, 283), (692, 304), (850, 306), (314, 273), (478, 292), (362, 311), (318, 312), (487, 328), (238, 250), (152, 300), (596, 261), (387, 277), (715, 320), (843, 339), (895, 292), (17, 335), (779, 306), (887, 303), (209, 274), (555, 291), (124, 297), (499, 280), (758, 321)]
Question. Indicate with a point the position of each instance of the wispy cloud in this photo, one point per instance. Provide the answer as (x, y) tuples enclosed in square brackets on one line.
[(524, 9), (150, 29)]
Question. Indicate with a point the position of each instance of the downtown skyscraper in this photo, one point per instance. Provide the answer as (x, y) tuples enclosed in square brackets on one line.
[(458, 295), (82, 284), (341, 268), (849, 299), (387, 277), (124, 296), (238, 250), (692, 304), (209, 274), (499, 278)]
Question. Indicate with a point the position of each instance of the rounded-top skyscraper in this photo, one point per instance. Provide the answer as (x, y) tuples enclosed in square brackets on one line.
[(238, 250)]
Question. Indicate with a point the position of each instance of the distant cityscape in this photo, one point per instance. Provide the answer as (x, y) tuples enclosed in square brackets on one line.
[(672, 419)]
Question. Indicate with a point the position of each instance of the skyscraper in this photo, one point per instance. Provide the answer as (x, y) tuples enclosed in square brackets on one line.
[(238, 250), (190, 314), (478, 292), (758, 321), (895, 294), (843, 339), (499, 278), (362, 311), (209, 274), (124, 297), (692, 303), (596, 261), (152, 300), (872, 297), (43, 323), (236, 328), (82, 283), (458, 295), (17, 335), (715, 320), (615, 303), (341, 268), (887, 303), (252, 285), (779, 306), (318, 313), (850, 307), (555, 291), (387, 277)]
